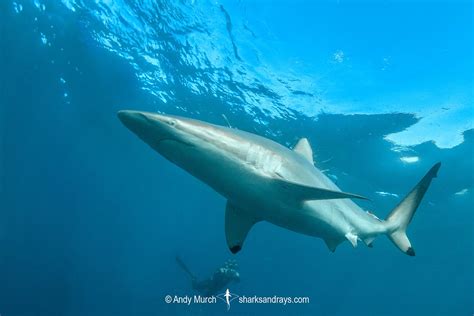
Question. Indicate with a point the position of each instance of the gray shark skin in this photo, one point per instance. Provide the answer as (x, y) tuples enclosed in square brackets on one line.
[(265, 181)]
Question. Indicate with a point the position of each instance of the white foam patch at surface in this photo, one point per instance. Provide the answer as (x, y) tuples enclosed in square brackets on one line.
[(462, 192), (444, 127), (387, 194), (410, 159)]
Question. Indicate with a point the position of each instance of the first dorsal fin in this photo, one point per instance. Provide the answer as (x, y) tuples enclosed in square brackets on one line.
[(237, 225), (303, 148)]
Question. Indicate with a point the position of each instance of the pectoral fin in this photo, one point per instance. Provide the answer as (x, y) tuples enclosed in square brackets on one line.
[(237, 225), (303, 192)]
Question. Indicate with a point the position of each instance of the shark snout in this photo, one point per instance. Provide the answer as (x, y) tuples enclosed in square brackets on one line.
[(128, 117), (137, 120), (142, 124), (150, 127)]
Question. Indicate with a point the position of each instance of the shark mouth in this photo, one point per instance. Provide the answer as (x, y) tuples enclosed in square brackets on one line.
[(163, 140)]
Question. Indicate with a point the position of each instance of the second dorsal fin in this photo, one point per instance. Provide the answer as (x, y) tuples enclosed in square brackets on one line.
[(303, 148)]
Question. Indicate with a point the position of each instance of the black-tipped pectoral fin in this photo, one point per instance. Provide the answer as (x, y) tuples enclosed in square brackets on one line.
[(237, 225)]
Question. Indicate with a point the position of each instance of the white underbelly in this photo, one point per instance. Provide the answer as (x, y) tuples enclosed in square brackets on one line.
[(307, 220)]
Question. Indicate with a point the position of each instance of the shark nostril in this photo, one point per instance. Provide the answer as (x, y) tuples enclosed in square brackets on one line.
[(146, 118)]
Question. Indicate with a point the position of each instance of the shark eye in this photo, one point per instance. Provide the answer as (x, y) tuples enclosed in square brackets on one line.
[(172, 122)]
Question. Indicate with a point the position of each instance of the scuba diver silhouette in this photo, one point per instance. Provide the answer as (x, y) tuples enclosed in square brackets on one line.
[(214, 284)]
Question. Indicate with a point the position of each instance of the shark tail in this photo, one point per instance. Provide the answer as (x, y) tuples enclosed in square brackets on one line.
[(398, 220)]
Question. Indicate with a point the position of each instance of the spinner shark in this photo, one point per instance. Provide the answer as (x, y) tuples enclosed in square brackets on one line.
[(265, 181)]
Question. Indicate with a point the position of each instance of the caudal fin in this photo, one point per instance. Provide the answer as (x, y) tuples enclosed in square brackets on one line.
[(402, 214)]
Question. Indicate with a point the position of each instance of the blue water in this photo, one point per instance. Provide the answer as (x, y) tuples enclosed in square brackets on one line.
[(91, 219)]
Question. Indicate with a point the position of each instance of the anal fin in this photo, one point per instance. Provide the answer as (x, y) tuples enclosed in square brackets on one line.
[(369, 241)]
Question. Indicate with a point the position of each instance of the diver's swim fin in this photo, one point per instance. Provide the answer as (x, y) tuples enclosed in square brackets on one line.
[(184, 267)]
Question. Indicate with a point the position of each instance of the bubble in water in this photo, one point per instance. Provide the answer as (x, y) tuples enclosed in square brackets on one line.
[(44, 40), (17, 7), (40, 6), (61, 79)]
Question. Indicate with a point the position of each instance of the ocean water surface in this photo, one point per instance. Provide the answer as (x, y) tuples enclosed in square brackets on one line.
[(91, 219)]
